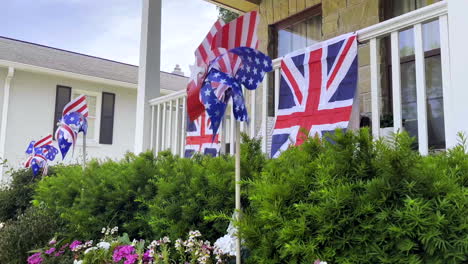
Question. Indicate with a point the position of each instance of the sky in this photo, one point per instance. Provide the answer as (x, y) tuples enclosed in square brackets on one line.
[(109, 28)]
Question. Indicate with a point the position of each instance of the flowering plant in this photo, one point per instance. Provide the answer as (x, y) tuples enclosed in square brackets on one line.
[(119, 249)]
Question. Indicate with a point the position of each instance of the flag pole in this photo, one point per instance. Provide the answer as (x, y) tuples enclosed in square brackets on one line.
[(238, 189)]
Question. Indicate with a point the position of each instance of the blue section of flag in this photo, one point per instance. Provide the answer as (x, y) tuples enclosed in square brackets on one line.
[(251, 73)]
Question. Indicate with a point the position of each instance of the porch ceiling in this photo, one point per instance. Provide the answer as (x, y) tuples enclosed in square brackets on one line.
[(239, 6)]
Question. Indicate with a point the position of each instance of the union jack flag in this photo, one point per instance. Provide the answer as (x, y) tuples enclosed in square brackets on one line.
[(200, 138), (316, 91), (242, 32)]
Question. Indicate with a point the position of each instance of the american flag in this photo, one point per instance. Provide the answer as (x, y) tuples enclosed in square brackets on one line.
[(316, 92), (200, 138), (242, 32), (76, 105)]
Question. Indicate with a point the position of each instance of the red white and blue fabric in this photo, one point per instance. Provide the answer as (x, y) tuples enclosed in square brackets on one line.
[(254, 66), (200, 138), (78, 105), (39, 153), (316, 92), (242, 32), (73, 121)]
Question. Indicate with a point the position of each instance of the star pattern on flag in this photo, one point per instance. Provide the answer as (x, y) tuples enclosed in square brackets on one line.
[(220, 87)]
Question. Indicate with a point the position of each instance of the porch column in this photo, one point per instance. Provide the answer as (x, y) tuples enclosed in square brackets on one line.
[(458, 94), (3, 125), (149, 70)]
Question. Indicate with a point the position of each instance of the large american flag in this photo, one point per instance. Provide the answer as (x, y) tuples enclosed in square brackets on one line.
[(242, 32), (316, 92), (200, 138)]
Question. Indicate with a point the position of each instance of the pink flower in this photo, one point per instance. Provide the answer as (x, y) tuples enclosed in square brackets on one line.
[(75, 244), (50, 251), (35, 259), (125, 252)]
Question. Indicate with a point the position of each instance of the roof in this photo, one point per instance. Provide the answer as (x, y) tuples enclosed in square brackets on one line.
[(68, 61)]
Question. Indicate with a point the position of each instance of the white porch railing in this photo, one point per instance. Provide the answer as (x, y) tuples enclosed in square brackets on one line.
[(168, 120)]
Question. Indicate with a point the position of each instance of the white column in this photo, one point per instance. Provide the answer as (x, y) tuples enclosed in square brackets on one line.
[(148, 75), (458, 97), (3, 127)]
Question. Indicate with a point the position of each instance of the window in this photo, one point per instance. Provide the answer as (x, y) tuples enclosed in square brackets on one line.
[(431, 43), (293, 33), (62, 97), (107, 118), (92, 100), (297, 32)]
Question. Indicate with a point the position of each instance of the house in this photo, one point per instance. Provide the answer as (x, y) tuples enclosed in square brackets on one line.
[(37, 81), (412, 73)]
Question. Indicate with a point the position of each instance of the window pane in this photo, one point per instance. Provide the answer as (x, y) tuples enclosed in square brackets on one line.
[(91, 127), (408, 98), (300, 35), (435, 103), (435, 106), (91, 101)]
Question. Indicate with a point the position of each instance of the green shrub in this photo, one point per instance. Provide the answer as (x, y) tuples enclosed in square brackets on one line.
[(105, 194), (198, 193), (17, 197), (30, 230), (359, 201)]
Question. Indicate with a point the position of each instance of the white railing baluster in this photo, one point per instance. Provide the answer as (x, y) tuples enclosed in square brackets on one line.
[(169, 140), (253, 112), (445, 65), (158, 129), (375, 86), (396, 82), (177, 126), (164, 128), (277, 89), (232, 132), (184, 123), (222, 135), (265, 113), (421, 90), (152, 130)]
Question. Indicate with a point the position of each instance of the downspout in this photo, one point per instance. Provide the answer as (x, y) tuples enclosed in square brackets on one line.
[(3, 127)]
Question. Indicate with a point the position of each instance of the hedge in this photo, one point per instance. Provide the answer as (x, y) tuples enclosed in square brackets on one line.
[(359, 201)]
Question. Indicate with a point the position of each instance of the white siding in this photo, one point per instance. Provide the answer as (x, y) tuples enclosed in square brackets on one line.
[(31, 112)]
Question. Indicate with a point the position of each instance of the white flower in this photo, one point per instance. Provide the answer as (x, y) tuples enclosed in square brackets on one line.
[(103, 230), (166, 240), (90, 249), (103, 245), (114, 230), (2, 225), (77, 262)]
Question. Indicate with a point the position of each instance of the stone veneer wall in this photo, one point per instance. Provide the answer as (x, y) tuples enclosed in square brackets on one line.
[(338, 17)]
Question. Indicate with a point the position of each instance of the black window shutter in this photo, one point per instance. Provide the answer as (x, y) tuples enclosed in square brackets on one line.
[(62, 97), (107, 118)]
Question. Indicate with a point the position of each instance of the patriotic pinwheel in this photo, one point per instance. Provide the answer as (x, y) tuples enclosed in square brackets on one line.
[(219, 87), (40, 152), (68, 129), (74, 121)]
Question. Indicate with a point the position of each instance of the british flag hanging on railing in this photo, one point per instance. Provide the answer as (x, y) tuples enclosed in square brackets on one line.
[(200, 138), (316, 92), (241, 32), (39, 153), (73, 121)]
